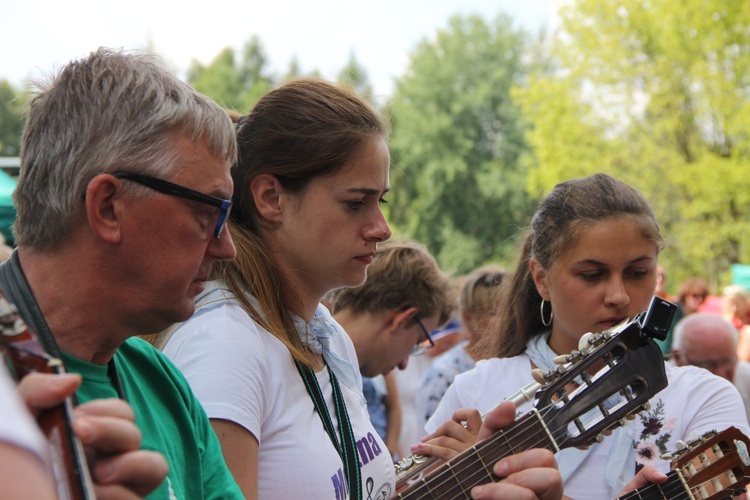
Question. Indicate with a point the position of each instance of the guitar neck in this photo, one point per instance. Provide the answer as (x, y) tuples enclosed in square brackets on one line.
[(70, 469), (674, 488), (66, 452), (454, 479)]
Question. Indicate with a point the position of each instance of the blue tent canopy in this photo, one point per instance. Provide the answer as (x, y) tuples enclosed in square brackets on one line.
[(7, 210), (741, 275)]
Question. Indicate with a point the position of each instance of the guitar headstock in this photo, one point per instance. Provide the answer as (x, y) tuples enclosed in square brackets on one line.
[(23, 353), (716, 465), (612, 377)]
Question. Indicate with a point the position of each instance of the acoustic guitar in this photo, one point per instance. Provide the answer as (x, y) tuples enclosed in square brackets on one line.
[(572, 408)]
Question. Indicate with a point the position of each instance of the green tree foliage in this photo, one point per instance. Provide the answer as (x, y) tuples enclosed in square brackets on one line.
[(458, 141), (354, 75), (293, 71), (11, 119), (656, 92), (234, 82)]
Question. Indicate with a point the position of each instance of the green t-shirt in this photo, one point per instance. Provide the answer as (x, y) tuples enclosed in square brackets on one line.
[(171, 419)]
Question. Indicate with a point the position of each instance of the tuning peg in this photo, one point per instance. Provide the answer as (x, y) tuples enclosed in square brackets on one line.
[(538, 375), (597, 339), (561, 360), (583, 448), (584, 341), (680, 444), (646, 406), (554, 373), (631, 416), (607, 432), (667, 456), (623, 422)]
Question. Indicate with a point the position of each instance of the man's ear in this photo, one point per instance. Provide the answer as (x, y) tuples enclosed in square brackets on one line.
[(268, 196), (677, 357), (400, 318), (104, 207), (540, 275)]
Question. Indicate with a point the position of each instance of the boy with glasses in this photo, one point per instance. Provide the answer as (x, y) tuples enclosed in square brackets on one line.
[(389, 318)]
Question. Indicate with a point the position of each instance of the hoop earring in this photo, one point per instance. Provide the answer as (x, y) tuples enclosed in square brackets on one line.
[(551, 314)]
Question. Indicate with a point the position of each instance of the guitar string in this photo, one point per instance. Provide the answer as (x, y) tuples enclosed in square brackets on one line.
[(436, 484), (493, 439), (483, 446), (483, 473), (528, 423), (670, 487), (501, 435)]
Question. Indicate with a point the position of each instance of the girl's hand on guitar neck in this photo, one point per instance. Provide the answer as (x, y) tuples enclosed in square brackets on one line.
[(108, 432), (451, 438), (531, 474)]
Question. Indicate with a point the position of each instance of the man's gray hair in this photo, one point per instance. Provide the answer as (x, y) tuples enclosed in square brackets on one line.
[(691, 320), (107, 112)]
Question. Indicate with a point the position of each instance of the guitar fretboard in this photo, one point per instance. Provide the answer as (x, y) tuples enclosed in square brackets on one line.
[(674, 488), (454, 479)]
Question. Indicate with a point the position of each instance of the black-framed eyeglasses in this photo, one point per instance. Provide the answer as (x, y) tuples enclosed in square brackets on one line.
[(173, 189), (422, 347)]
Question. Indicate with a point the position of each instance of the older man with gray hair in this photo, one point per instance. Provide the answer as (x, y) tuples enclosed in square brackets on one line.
[(122, 199), (710, 341)]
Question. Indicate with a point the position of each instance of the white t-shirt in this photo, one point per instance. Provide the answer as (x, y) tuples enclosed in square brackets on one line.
[(16, 425), (694, 401), (242, 373), (742, 383)]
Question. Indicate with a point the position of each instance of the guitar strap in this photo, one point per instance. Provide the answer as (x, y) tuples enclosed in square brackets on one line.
[(344, 443), (16, 290)]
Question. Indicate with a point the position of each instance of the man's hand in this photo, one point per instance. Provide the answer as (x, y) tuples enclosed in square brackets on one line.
[(108, 432)]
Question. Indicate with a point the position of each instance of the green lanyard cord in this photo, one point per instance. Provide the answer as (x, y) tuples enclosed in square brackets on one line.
[(347, 452)]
